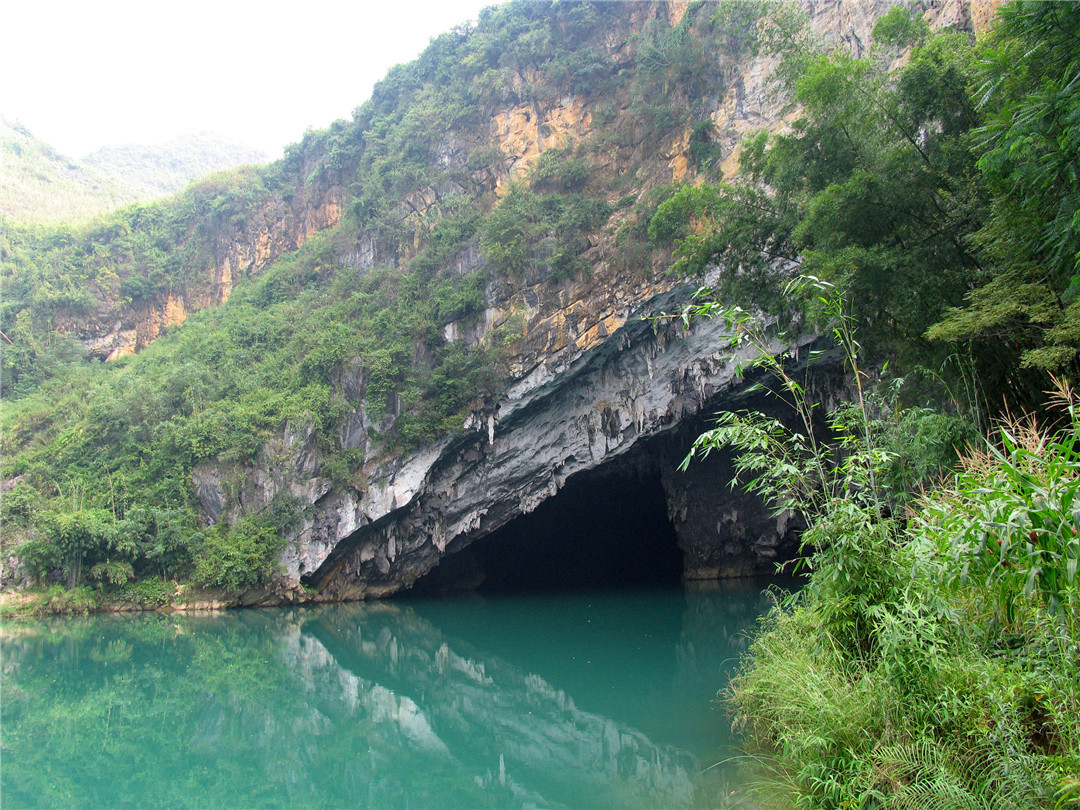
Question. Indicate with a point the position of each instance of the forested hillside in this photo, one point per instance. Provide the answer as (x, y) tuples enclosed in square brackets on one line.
[(41, 185), (167, 168), (433, 222), (929, 211), (937, 196)]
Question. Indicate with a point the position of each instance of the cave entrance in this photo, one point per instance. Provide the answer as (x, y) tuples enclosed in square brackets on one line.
[(598, 531)]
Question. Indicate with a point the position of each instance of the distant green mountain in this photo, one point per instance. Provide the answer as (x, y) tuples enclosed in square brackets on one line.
[(155, 171), (40, 185)]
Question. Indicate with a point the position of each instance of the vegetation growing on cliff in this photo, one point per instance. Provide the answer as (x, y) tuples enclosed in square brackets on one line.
[(932, 660), (355, 319), (907, 189)]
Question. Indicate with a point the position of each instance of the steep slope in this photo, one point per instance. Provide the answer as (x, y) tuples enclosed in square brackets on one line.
[(470, 250)]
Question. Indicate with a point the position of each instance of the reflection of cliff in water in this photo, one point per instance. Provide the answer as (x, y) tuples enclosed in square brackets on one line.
[(497, 702), (518, 704), (511, 728), (651, 660)]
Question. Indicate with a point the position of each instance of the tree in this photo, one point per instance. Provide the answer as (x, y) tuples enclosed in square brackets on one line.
[(868, 191), (1029, 88)]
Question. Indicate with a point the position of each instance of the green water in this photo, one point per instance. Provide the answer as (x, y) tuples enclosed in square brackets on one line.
[(579, 700)]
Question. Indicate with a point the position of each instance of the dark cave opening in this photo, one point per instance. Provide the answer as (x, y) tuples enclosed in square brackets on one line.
[(598, 531)]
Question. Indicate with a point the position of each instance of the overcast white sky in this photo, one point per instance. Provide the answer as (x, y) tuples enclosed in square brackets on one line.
[(81, 74)]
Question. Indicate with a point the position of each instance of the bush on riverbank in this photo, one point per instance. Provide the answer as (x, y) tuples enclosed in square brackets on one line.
[(932, 660), (962, 688), (151, 593)]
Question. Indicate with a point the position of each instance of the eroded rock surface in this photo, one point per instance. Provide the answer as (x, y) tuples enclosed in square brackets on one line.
[(626, 400)]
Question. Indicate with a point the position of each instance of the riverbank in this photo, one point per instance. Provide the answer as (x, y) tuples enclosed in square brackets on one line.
[(933, 662), (147, 595)]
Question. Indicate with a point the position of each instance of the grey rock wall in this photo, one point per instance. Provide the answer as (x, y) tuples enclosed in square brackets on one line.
[(628, 400)]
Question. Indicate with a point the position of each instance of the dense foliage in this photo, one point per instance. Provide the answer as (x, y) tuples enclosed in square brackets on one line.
[(941, 197), (932, 664), (1028, 151), (932, 658)]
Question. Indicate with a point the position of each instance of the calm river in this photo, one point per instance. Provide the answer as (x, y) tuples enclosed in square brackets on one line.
[(564, 700)]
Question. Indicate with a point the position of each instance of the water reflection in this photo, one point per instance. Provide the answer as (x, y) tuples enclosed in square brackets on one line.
[(581, 700)]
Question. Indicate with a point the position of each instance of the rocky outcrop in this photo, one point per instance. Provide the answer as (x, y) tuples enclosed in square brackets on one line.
[(586, 404), (278, 225), (313, 201), (523, 133)]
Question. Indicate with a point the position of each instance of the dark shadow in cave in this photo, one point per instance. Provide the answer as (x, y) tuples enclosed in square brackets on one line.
[(599, 531)]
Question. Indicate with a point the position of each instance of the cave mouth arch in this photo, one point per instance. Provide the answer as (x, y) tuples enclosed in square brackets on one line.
[(601, 530)]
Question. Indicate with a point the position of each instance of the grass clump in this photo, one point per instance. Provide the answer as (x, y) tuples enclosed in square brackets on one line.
[(933, 658), (152, 592), (939, 719), (957, 683)]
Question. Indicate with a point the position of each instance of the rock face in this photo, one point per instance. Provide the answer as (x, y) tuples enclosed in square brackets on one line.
[(620, 404), (630, 402), (314, 201), (277, 226), (598, 390)]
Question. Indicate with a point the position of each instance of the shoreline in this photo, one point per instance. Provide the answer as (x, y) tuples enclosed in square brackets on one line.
[(56, 600)]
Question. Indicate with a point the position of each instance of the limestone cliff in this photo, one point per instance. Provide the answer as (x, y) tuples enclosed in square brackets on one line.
[(278, 225), (313, 201), (597, 387), (594, 385)]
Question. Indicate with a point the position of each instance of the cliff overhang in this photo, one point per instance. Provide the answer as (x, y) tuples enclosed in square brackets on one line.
[(625, 408)]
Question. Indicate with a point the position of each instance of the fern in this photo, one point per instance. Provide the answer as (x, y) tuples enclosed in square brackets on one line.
[(928, 776)]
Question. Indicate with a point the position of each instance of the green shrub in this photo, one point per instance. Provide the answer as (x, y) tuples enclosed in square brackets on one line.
[(115, 572), (935, 664), (150, 592), (557, 170), (74, 538), (1010, 520), (40, 556), (18, 504), (82, 599), (527, 230), (921, 446), (703, 152), (237, 557)]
